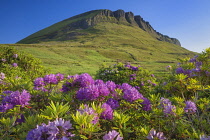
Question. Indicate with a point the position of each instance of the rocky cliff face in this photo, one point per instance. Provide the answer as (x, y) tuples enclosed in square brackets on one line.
[(121, 17)]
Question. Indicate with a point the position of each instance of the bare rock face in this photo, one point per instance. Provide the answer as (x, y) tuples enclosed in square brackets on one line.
[(148, 28), (130, 18)]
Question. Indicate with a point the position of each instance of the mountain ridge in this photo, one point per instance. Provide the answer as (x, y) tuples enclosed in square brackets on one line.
[(62, 30)]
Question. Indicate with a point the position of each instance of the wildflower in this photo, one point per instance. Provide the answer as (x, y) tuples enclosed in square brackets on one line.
[(179, 70), (39, 133), (15, 55), (15, 98), (137, 87), (21, 119), (90, 92), (99, 82), (169, 109), (190, 107), (89, 111), (2, 76), (84, 80), (39, 82), (103, 90), (198, 64), (154, 135), (18, 98), (134, 68), (107, 114), (114, 104), (59, 77), (125, 86), (14, 64), (146, 104), (50, 79), (152, 75), (3, 60), (111, 135), (207, 73), (132, 94), (193, 59), (132, 77), (164, 101), (54, 130), (169, 67), (111, 86), (58, 129), (204, 137)]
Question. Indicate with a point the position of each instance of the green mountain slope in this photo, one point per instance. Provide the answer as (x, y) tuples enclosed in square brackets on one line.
[(84, 42)]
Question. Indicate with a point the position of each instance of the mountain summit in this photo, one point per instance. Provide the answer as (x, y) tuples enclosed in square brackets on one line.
[(71, 28)]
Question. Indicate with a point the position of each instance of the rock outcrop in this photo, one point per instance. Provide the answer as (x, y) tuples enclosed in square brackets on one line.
[(122, 17)]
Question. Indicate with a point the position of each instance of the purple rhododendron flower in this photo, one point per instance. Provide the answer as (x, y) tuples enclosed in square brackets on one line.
[(111, 135), (89, 111), (190, 107), (125, 86), (21, 119), (15, 98), (207, 73), (84, 80), (5, 106), (198, 64), (164, 101), (39, 82), (15, 55), (204, 137), (153, 135), (169, 109), (146, 104), (134, 68), (39, 133), (98, 82), (14, 64), (3, 60), (103, 90), (58, 128), (193, 59), (2, 76), (132, 94), (59, 77), (90, 92), (111, 86), (179, 70), (107, 114), (132, 77), (50, 79), (55, 130), (114, 104)]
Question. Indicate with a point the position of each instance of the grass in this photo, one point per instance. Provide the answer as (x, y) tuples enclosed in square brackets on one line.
[(106, 43)]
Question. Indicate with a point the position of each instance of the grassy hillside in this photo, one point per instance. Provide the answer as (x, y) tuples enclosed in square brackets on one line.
[(106, 43), (57, 26)]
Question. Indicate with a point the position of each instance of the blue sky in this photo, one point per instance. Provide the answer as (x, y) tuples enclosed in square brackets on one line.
[(186, 20)]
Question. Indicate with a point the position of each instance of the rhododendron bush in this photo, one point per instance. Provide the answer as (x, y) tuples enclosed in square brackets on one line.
[(122, 102)]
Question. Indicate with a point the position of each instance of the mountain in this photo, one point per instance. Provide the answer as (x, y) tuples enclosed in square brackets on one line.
[(68, 29), (82, 43)]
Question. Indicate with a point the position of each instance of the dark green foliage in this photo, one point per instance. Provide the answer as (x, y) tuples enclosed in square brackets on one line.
[(19, 68), (121, 73)]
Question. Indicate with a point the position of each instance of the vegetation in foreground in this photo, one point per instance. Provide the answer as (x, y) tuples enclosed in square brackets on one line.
[(127, 102)]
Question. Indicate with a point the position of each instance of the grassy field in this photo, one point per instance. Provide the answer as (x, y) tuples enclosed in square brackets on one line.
[(106, 43)]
